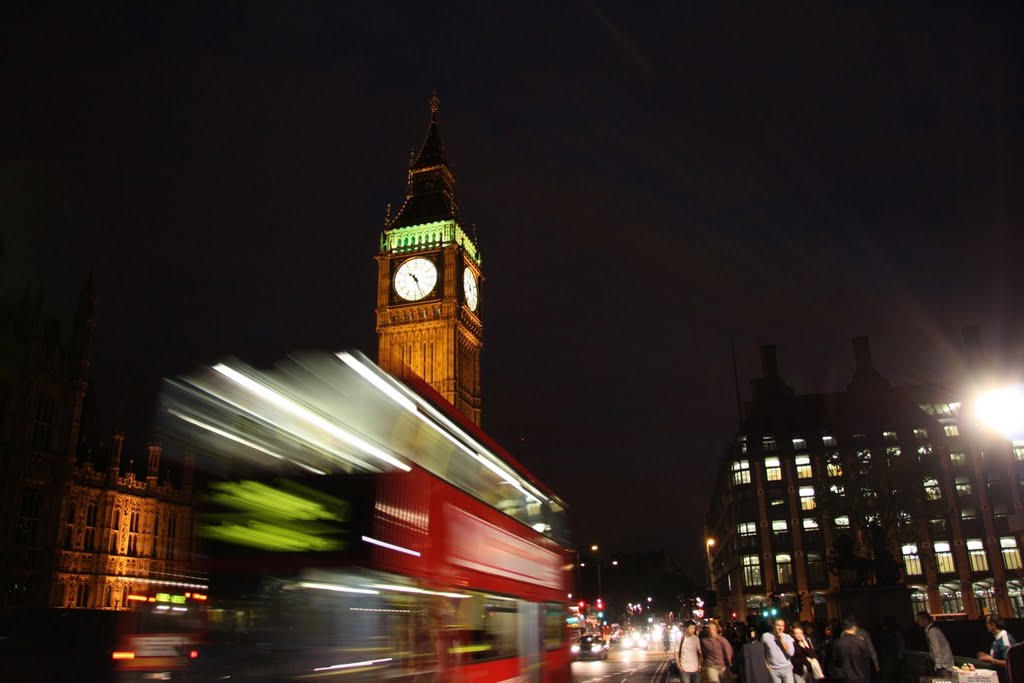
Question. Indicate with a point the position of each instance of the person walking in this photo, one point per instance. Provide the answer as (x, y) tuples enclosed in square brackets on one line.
[(851, 659), (717, 654), (751, 663), (938, 646), (688, 655), (996, 656), (778, 647), (803, 650)]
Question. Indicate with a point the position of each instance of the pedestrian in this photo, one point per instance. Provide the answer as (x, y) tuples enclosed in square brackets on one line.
[(717, 654), (893, 649), (996, 656), (751, 662), (851, 659), (688, 655), (778, 647), (802, 652), (938, 646)]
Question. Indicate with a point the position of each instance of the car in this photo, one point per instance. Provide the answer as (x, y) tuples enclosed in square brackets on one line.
[(590, 647), (635, 639)]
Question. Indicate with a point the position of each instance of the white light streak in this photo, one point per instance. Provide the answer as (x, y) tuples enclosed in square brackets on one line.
[(226, 435), (337, 588), (368, 662), (390, 546), (309, 416), (376, 380), (413, 589)]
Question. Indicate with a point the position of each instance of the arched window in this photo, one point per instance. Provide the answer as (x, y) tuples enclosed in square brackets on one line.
[(42, 427)]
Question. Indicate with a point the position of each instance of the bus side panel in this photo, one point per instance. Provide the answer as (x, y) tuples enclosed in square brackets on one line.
[(557, 665)]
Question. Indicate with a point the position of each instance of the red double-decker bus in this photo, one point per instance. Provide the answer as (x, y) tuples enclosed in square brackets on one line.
[(355, 526)]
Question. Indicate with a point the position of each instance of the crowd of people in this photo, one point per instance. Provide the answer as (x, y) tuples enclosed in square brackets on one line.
[(844, 652)]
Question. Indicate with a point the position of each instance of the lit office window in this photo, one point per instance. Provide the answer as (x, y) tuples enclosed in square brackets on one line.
[(751, 570), (746, 529), (772, 469), (924, 449), (1018, 450), (807, 498), (911, 560), (779, 526), (803, 467), (889, 436), (1011, 553), (768, 444), (799, 444), (834, 465), (741, 472), (828, 441), (932, 491), (842, 522), (976, 554), (963, 485), (810, 524), (958, 459), (944, 558), (920, 433), (784, 568), (952, 430)]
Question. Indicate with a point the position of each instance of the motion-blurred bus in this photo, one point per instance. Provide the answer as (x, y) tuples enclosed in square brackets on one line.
[(356, 528)]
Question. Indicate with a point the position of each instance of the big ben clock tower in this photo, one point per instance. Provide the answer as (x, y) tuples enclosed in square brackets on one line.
[(430, 282)]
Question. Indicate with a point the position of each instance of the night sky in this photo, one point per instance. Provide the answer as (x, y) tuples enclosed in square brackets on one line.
[(648, 181)]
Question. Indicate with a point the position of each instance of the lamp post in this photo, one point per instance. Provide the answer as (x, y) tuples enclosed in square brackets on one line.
[(709, 543)]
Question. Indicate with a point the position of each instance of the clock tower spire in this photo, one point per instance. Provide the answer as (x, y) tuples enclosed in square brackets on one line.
[(429, 283)]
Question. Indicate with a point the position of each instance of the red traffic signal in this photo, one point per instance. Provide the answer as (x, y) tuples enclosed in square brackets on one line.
[(583, 605)]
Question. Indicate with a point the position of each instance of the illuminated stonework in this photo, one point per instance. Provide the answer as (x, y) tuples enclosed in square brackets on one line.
[(438, 337), (118, 534)]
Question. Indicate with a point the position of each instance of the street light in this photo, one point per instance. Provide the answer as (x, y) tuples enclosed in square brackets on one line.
[(1002, 410), (709, 543)]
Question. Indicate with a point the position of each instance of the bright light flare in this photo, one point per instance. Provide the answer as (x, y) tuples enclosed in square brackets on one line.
[(1003, 410)]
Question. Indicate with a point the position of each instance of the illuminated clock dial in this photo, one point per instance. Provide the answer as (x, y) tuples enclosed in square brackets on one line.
[(470, 289), (415, 279)]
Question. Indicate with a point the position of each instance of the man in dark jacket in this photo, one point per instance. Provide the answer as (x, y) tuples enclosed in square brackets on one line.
[(851, 659)]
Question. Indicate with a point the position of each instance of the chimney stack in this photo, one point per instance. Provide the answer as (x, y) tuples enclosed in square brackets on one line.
[(153, 471), (862, 356), (769, 363), (116, 446)]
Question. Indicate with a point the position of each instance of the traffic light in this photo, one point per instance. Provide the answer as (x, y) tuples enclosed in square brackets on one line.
[(600, 603), (799, 602), (600, 615), (764, 614), (582, 605), (775, 611)]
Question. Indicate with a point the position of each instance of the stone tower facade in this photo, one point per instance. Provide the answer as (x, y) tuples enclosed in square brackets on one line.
[(430, 283)]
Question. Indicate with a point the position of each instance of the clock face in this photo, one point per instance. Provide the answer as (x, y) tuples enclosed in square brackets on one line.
[(415, 279), (470, 289)]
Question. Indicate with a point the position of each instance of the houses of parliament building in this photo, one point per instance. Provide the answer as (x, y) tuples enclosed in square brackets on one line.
[(84, 525)]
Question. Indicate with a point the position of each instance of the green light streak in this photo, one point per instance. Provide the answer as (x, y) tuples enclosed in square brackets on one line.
[(287, 517)]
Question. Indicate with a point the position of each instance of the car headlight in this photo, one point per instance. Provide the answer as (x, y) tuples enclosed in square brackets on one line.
[(575, 648), (627, 641), (595, 648)]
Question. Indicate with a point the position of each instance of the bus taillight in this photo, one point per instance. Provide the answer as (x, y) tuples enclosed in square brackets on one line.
[(124, 655), (193, 654)]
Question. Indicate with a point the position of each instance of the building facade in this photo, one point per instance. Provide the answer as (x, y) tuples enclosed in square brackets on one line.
[(874, 485), (78, 526), (430, 284), (119, 534)]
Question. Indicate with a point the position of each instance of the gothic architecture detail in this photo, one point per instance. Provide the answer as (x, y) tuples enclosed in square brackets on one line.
[(78, 526), (430, 278)]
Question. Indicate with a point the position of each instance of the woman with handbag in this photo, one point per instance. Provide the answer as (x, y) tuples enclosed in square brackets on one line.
[(803, 654)]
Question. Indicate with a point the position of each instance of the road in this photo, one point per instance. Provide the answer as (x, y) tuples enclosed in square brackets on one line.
[(625, 666)]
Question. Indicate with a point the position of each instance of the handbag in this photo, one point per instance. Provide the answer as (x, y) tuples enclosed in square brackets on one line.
[(816, 671)]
